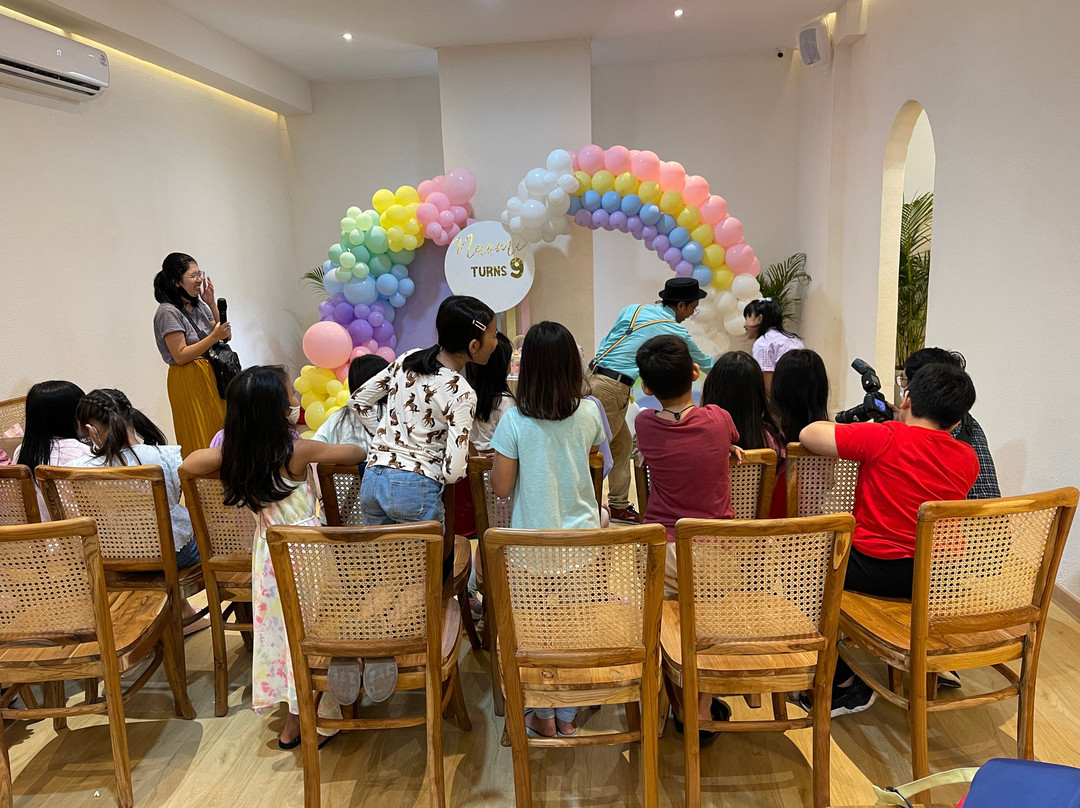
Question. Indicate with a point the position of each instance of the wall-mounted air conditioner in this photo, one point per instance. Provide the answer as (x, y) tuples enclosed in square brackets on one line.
[(40, 61)]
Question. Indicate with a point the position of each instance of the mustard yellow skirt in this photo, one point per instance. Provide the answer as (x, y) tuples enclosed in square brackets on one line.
[(197, 409)]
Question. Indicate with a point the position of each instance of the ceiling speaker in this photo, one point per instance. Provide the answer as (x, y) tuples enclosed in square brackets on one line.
[(815, 45)]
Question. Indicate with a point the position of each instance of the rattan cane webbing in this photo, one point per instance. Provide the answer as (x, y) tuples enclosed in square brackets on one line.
[(826, 485), (499, 510), (568, 598), (231, 529), (361, 590), (986, 564), (12, 412), (123, 509), (12, 506), (44, 589), (761, 586), (347, 488), (745, 487)]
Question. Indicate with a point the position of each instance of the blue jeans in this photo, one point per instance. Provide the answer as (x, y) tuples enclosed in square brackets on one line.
[(188, 555), (395, 496)]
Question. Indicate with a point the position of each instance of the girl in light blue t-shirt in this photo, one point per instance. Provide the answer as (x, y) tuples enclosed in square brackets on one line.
[(542, 451)]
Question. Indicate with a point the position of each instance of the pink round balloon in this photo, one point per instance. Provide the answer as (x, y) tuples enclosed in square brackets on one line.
[(755, 268), (617, 160), (591, 159), (439, 200), (460, 215), (470, 220), (729, 232), (441, 238), (713, 210), (459, 185), (386, 353), (739, 257), (371, 345), (575, 165), (433, 229), (696, 190), (451, 234), (446, 218), (424, 189), (672, 176), (358, 351), (426, 213), (327, 344), (342, 372), (646, 166)]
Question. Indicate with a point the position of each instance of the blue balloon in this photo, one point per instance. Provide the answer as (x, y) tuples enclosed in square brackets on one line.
[(361, 291), (703, 275), (330, 282), (386, 284), (327, 265), (692, 252), (679, 237), (631, 205), (575, 205), (388, 315), (399, 271), (397, 301), (406, 287), (666, 224), (402, 256), (649, 214), (610, 201), (591, 201)]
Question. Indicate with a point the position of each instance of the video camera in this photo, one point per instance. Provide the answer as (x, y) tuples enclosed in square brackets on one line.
[(873, 407)]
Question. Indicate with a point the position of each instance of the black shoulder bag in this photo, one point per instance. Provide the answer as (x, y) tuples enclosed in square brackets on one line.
[(222, 358)]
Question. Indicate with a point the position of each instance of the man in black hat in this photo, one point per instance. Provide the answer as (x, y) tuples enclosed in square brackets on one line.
[(614, 371)]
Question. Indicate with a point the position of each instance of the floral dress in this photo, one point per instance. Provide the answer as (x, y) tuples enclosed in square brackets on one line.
[(271, 665)]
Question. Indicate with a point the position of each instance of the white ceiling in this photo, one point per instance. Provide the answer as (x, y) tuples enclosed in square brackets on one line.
[(400, 38)]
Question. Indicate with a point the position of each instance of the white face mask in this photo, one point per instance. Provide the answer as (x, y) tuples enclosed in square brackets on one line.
[(294, 415)]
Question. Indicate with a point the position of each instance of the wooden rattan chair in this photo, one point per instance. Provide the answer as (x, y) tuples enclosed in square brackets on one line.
[(758, 608), (578, 614), (131, 508), (369, 592), (984, 575), (340, 487), (224, 535), (751, 484), (12, 412), (58, 622), (18, 496), (817, 485)]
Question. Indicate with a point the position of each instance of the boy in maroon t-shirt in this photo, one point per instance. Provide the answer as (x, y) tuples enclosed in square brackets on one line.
[(903, 464), (687, 449)]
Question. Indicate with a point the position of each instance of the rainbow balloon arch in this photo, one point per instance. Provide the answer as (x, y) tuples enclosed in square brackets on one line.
[(366, 274)]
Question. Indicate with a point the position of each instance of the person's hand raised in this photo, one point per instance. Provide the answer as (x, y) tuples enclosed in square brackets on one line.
[(207, 293)]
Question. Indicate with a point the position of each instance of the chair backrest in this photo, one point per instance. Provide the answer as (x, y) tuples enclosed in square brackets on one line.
[(129, 504), (752, 484), (817, 485), (340, 486), (765, 586), (18, 496), (12, 411), (988, 563), (577, 598), (224, 533), (355, 592)]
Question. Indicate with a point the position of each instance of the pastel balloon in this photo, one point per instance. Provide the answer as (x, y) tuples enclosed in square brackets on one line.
[(694, 252), (381, 200), (666, 224), (745, 287), (406, 287), (755, 268), (364, 221), (617, 159), (714, 256), (360, 331), (695, 190), (591, 200), (630, 205), (334, 253), (426, 213), (740, 257), (380, 264), (405, 195), (684, 269), (672, 255), (650, 214), (648, 233), (353, 212), (650, 192), (591, 159), (327, 344), (347, 224), (348, 260), (611, 201), (672, 176), (433, 229), (387, 285), (574, 206), (626, 183), (645, 165), (459, 185), (723, 278), (729, 232), (600, 218), (446, 218), (617, 219), (439, 200), (689, 217), (426, 188), (326, 309), (733, 324), (634, 225), (702, 234), (603, 181), (569, 183), (661, 244), (376, 241), (384, 332), (397, 300), (583, 218), (342, 313), (386, 353), (361, 311), (377, 317), (703, 276), (560, 161), (679, 237), (371, 345), (361, 291), (401, 257), (584, 182), (671, 202), (342, 374), (533, 213), (315, 414), (727, 302)]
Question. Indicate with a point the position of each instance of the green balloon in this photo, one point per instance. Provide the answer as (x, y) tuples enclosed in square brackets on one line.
[(403, 256), (362, 253), (356, 237), (360, 271), (364, 221), (348, 225), (344, 275), (353, 212), (347, 260), (380, 265), (376, 240), (334, 253)]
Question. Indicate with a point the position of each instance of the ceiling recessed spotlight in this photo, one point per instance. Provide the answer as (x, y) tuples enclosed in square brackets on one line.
[(678, 12), (347, 37)]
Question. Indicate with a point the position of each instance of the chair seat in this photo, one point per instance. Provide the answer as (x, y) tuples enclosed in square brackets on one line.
[(234, 585), (135, 616), (191, 580), (884, 624)]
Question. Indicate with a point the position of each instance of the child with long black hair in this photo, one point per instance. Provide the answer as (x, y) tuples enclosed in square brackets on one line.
[(764, 323), (265, 468), (800, 396), (736, 384), (51, 436), (493, 396)]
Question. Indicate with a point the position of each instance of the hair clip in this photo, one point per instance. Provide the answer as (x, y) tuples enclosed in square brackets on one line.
[(479, 325), (767, 298)]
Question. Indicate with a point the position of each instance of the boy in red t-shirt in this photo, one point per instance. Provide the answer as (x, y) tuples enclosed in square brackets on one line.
[(903, 464), (687, 449)]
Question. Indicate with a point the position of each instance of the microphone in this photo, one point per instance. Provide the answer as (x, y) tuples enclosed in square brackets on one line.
[(222, 306)]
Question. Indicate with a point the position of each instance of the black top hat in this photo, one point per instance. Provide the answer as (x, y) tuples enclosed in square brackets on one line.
[(681, 290)]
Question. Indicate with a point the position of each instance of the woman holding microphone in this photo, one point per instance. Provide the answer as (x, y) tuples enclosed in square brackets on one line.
[(186, 325)]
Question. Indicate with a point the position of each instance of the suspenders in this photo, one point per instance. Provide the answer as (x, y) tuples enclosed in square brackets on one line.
[(634, 326)]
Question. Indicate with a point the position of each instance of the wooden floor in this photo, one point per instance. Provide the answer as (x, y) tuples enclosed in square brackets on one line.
[(234, 761)]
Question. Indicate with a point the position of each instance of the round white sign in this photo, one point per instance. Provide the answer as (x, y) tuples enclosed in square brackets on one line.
[(490, 264)]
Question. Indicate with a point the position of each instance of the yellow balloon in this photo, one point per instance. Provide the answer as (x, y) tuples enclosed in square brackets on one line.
[(603, 181), (308, 399), (411, 208), (626, 184), (411, 242), (342, 398), (307, 370), (584, 182), (308, 434), (690, 217), (671, 202), (334, 387), (302, 385), (332, 409), (406, 194), (714, 256), (315, 415), (722, 278), (397, 214), (395, 233), (649, 193), (702, 234), (412, 227), (382, 199)]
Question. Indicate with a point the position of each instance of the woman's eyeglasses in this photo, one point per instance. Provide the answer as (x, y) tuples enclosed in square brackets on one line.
[(902, 381)]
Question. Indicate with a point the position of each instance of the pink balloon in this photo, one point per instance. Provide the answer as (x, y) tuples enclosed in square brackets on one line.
[(459, 185), (575, 164), (342, 372), (696, 190), (426, 188), (591, 159), (426, 213), (755, 268), (713, 210), (446, 218), (327, 344), (372, 346), (646, 166), (617, 160), (460, 215), (452, 232), (386, 353), (442, 238), (359, 351), (729, 232), (739, 257), (470, 220), (433, 229), (439, 200), (672, 176)]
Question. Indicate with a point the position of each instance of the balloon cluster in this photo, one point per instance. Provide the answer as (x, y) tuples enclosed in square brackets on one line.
[(538, 212), (366, 278)]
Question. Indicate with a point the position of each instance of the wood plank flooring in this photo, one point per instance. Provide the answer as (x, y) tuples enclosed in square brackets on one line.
[(234, 761)]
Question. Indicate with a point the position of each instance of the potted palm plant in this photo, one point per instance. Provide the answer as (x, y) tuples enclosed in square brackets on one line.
[(784, 283), (914, 276)]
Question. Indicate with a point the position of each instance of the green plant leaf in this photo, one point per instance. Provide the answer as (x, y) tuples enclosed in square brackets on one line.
[(783, 282), (913, 278), (312, 280)]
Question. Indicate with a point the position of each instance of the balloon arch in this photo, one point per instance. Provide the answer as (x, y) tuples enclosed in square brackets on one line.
[(366, 274)]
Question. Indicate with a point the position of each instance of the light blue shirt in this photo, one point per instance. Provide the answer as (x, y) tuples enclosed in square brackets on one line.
[(554, 488), (623, 359)]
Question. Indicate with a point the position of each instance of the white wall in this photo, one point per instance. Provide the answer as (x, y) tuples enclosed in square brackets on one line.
[(919, 168), (1003, 289), (95, 195)]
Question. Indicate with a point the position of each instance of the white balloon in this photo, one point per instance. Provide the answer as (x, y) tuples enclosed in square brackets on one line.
[(533, 213), (733, 324), (727, 303), (513, 204), (559, 200), (745, 287), (569, 183), (723, 343), (505, 218), (560, 162), (550, 181), (515, 224), (534, 181), (523, 190)]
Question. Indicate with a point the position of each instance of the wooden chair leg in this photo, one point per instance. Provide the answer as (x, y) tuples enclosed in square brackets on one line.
[(691, 748), (633, 716), (436, 778), (56, 697), (457, 700), (28, 697), (309, 747), (497, 696), (244, 614), (931, 686), (821, 714), (221, 659), (896, 680), (114, 701), (920, 764), (664, 708), (519, 745), (752, 700), (174, 672), (90, 690), (6, 797), (1025, 709), (779, 706), (467, 620), (650, 745)]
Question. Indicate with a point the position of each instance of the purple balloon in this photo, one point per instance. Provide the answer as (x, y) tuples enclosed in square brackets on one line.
[(343, 313), (338, 298), (583, 218), (618, 220), (673, 255), (648, 233), (384, 332), (684, 269), (326, 309), (376, 318), (393, 341), (661, 245), (360, 331), (600, 218), (361, 310), (633, 222), (379, 306)]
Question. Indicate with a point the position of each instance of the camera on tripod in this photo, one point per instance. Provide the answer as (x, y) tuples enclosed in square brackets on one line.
[(873, 407)]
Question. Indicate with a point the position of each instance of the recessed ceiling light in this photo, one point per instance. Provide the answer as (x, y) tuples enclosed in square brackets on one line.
[(347, 37), (678, 12)]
